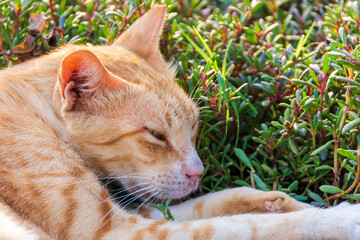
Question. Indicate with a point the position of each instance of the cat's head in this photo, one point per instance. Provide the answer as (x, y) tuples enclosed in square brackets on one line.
[(128, 117)]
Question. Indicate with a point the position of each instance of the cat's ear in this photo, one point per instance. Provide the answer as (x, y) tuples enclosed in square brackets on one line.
[(81, 72), (142, 38)]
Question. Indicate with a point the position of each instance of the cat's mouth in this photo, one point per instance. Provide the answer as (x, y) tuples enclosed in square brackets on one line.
[(132, 192)]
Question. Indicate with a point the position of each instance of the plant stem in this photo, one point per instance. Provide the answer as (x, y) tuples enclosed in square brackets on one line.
[(337, 139), (53, 16), (313, 133), (276, 183), (252, 179), (353, 185)]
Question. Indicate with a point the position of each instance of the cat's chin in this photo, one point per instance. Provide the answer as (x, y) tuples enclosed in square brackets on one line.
[(161, 196), (175, 192), (119, 190)]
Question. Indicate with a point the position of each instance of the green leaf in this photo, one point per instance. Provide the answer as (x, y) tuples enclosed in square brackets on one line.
[(278, 143), (345, 79), (267, 169), (350, 125), (305, 83), (260, 183), (316, 197), (213, 127), (198, 49), (348, 64), (341, 103), (294, 186), (309, 31), (241, 183), (277, 125), (286, 105), (243, 157), (347, 154), (354, 196), (259, 140), (346, 53), (223, 69), (301, 198), (316, 68), (215, 162), (330, 189), (245, 99), (308, 102), (336, 44), (90, 6), (323, 167), (342, 35), (322, 148), (303, 41), (203, 42), (299, 46), (293, 146), (169, 215), (271, 27), (326, 61)]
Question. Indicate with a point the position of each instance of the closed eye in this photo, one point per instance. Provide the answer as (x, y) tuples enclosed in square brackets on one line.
[(157, 135)]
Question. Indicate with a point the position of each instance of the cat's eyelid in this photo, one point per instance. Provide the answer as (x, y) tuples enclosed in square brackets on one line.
[(159, 136)]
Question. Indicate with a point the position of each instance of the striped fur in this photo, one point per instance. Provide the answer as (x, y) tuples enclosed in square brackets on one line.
[(84, 112)]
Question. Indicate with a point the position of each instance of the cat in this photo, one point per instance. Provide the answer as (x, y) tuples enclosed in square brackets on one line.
[(83, 113)]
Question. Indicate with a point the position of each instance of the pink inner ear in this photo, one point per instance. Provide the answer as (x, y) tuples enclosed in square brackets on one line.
[(62, 84), (74, 69), (86, 71), (69, 74)]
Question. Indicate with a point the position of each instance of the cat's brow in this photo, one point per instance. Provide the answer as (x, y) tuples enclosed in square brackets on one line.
[(112, 141)]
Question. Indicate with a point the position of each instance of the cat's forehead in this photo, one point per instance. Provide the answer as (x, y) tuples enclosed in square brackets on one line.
[(132, 68), (164, 111), (155, 92)]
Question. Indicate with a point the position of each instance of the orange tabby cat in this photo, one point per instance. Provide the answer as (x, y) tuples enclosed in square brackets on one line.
[(85, 112)]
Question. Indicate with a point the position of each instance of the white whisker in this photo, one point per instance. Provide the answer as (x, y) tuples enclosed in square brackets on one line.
[(121, 209), (124, 190), (137, 197), (137, 209), (133, 199)]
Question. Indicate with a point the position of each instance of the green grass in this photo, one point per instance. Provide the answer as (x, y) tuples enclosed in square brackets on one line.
[(277, 82)]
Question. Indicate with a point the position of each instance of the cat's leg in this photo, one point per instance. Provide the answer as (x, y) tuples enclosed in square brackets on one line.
[(78, 209), (341, 222), (230, 202), (65, 200)]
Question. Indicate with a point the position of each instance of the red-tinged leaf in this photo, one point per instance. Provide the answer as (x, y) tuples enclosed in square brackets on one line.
[(39, 50), (26, 47), (37, 24)]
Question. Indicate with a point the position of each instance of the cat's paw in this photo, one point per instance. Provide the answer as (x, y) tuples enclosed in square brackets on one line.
[(249, 200), (274, 201), (281, 202)]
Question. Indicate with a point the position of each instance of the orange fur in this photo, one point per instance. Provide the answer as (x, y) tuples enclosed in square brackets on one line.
[(84, 112)]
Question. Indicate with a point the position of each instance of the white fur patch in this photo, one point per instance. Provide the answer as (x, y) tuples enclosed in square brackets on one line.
[(11, 229)]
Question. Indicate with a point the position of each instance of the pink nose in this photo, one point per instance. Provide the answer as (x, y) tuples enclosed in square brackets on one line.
[(193, 178), (193, 170)]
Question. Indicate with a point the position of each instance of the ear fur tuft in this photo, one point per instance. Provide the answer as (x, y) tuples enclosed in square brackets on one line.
[(82, 72), (142, 38)]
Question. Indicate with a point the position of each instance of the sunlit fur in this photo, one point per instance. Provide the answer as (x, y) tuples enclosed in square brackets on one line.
[(111, 132), (87, 112), (109, 129)]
